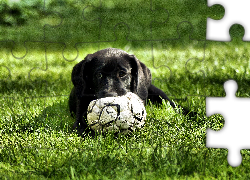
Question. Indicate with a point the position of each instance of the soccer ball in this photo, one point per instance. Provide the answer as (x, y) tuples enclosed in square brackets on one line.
[(121, 114)]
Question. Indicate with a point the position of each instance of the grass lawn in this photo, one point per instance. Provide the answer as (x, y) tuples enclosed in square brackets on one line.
[(36, 139)]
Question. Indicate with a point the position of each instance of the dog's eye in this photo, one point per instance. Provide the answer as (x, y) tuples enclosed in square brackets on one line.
[(122, 73), (99, 75)]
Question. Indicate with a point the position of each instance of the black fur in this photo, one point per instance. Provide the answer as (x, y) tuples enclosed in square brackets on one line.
[(109, 72)]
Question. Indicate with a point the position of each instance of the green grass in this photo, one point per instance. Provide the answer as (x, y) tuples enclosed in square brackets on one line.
[(36, 137), (37, 140)]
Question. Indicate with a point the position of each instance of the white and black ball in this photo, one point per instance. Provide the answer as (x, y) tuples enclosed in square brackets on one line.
[(121, 114)]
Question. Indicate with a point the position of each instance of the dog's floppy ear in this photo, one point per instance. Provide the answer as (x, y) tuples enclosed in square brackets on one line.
[(79, 76), (141, 77)]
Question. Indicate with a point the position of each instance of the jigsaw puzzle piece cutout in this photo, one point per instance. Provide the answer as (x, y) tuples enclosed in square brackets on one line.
[(23, 17), (235, 133), (236, 12)]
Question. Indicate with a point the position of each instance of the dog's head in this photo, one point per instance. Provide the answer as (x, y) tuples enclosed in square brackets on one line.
[(111, 72)]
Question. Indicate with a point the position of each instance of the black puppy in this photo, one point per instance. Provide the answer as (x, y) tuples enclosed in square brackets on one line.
[(109, 72)]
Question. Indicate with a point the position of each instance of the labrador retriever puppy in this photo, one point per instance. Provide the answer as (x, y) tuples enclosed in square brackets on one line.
[(109, 72)]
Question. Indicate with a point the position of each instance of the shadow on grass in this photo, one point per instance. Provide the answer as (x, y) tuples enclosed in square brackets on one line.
[(56, 116), (39, 86)]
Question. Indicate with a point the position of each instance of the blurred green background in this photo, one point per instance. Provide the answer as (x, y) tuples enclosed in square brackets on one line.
[(93, 21)]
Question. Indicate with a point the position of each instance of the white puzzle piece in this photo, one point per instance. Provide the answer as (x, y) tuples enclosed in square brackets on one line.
[(236, 12), (235, 134)]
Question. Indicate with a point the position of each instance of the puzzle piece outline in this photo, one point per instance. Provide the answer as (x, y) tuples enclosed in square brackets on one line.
[(217, 30), (232, 108)]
